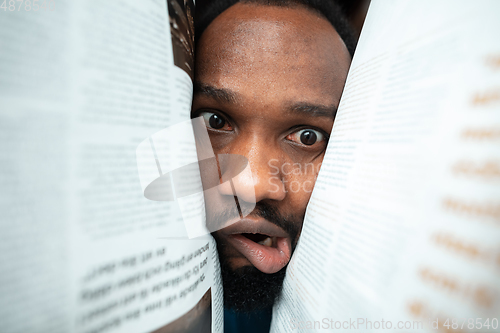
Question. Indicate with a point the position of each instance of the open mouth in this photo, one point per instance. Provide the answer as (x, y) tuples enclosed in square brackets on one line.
[(268, 253), (261, 239), (265, 245)]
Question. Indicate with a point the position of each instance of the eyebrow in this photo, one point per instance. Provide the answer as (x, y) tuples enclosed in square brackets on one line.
[(219, 94), (299, 108), (313, 110)]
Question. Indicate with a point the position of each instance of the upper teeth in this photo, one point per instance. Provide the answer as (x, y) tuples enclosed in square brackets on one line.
[(266, 242)]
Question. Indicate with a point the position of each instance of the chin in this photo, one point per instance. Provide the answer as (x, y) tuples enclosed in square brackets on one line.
[(247, 289)]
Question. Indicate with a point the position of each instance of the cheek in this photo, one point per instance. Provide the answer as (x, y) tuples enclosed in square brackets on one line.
[(220, 141), (299, 183)]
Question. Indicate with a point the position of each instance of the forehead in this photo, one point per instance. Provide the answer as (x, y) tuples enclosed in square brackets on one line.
[(273, 49)]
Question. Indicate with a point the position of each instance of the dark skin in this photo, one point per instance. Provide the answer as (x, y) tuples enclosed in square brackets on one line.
[(268, 84)]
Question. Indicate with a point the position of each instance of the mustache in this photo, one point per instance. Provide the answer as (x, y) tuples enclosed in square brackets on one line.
[(270, 213), (291, 224)]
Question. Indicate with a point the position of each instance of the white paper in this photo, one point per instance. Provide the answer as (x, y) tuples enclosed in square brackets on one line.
[(403, 224), (82, 84)]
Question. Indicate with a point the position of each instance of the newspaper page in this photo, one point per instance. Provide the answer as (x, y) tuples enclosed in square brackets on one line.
[(402, 231), (82, 85)]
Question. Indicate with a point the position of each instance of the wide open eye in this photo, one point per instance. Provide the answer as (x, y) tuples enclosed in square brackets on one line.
[(215, 121), (307, 137)]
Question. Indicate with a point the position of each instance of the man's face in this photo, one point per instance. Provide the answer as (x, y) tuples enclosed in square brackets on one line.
[(268, 83)]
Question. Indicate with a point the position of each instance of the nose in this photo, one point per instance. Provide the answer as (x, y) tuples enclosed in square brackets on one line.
[(258, 174)]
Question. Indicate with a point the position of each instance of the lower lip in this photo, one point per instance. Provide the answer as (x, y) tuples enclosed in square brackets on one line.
[(265, 258)]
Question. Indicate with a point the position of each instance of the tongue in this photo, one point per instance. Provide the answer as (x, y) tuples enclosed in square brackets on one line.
[(265, 258)]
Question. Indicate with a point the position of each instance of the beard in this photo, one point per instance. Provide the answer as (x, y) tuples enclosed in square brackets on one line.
[(247, 289)]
